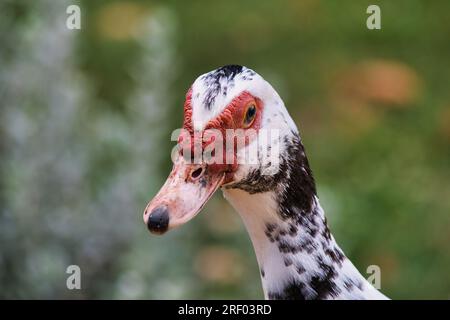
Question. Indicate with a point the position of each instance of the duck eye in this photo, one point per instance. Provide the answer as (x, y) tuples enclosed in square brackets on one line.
[(249, 115)]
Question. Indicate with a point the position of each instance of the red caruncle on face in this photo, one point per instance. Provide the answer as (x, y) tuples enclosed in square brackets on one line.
[(217, 144)]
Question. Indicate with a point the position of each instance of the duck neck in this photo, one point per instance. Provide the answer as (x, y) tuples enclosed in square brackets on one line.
[(297, 255)]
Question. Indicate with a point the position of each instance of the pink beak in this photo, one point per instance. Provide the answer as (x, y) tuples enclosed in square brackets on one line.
[(183, 195)]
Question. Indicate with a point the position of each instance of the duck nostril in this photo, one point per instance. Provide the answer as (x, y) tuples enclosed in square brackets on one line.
[(196, 173)]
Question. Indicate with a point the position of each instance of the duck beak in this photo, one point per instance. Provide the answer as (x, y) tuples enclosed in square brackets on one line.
[(185, 192)]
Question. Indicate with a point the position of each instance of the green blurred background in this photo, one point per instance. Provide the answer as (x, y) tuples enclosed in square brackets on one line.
[(86, 117)]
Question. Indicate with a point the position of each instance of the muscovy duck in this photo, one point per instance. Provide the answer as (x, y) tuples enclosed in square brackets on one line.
[(297, 255)]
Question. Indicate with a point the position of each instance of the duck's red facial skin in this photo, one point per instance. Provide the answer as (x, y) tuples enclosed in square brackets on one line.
[(189, 186), (231, 118)]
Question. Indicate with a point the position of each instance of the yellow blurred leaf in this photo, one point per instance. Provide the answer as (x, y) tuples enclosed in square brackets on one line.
[(121, 20), (221, 218), (387, 82), (219, 264)]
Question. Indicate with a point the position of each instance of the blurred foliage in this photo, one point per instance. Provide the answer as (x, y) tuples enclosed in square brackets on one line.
[(85, 126)]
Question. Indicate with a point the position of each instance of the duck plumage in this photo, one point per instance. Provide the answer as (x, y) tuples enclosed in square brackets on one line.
[(297, 255)]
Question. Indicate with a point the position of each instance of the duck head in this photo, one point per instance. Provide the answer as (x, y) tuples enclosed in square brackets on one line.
[(236, 134)]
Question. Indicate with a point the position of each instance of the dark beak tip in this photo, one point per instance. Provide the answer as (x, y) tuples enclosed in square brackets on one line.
[(158, 220)]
